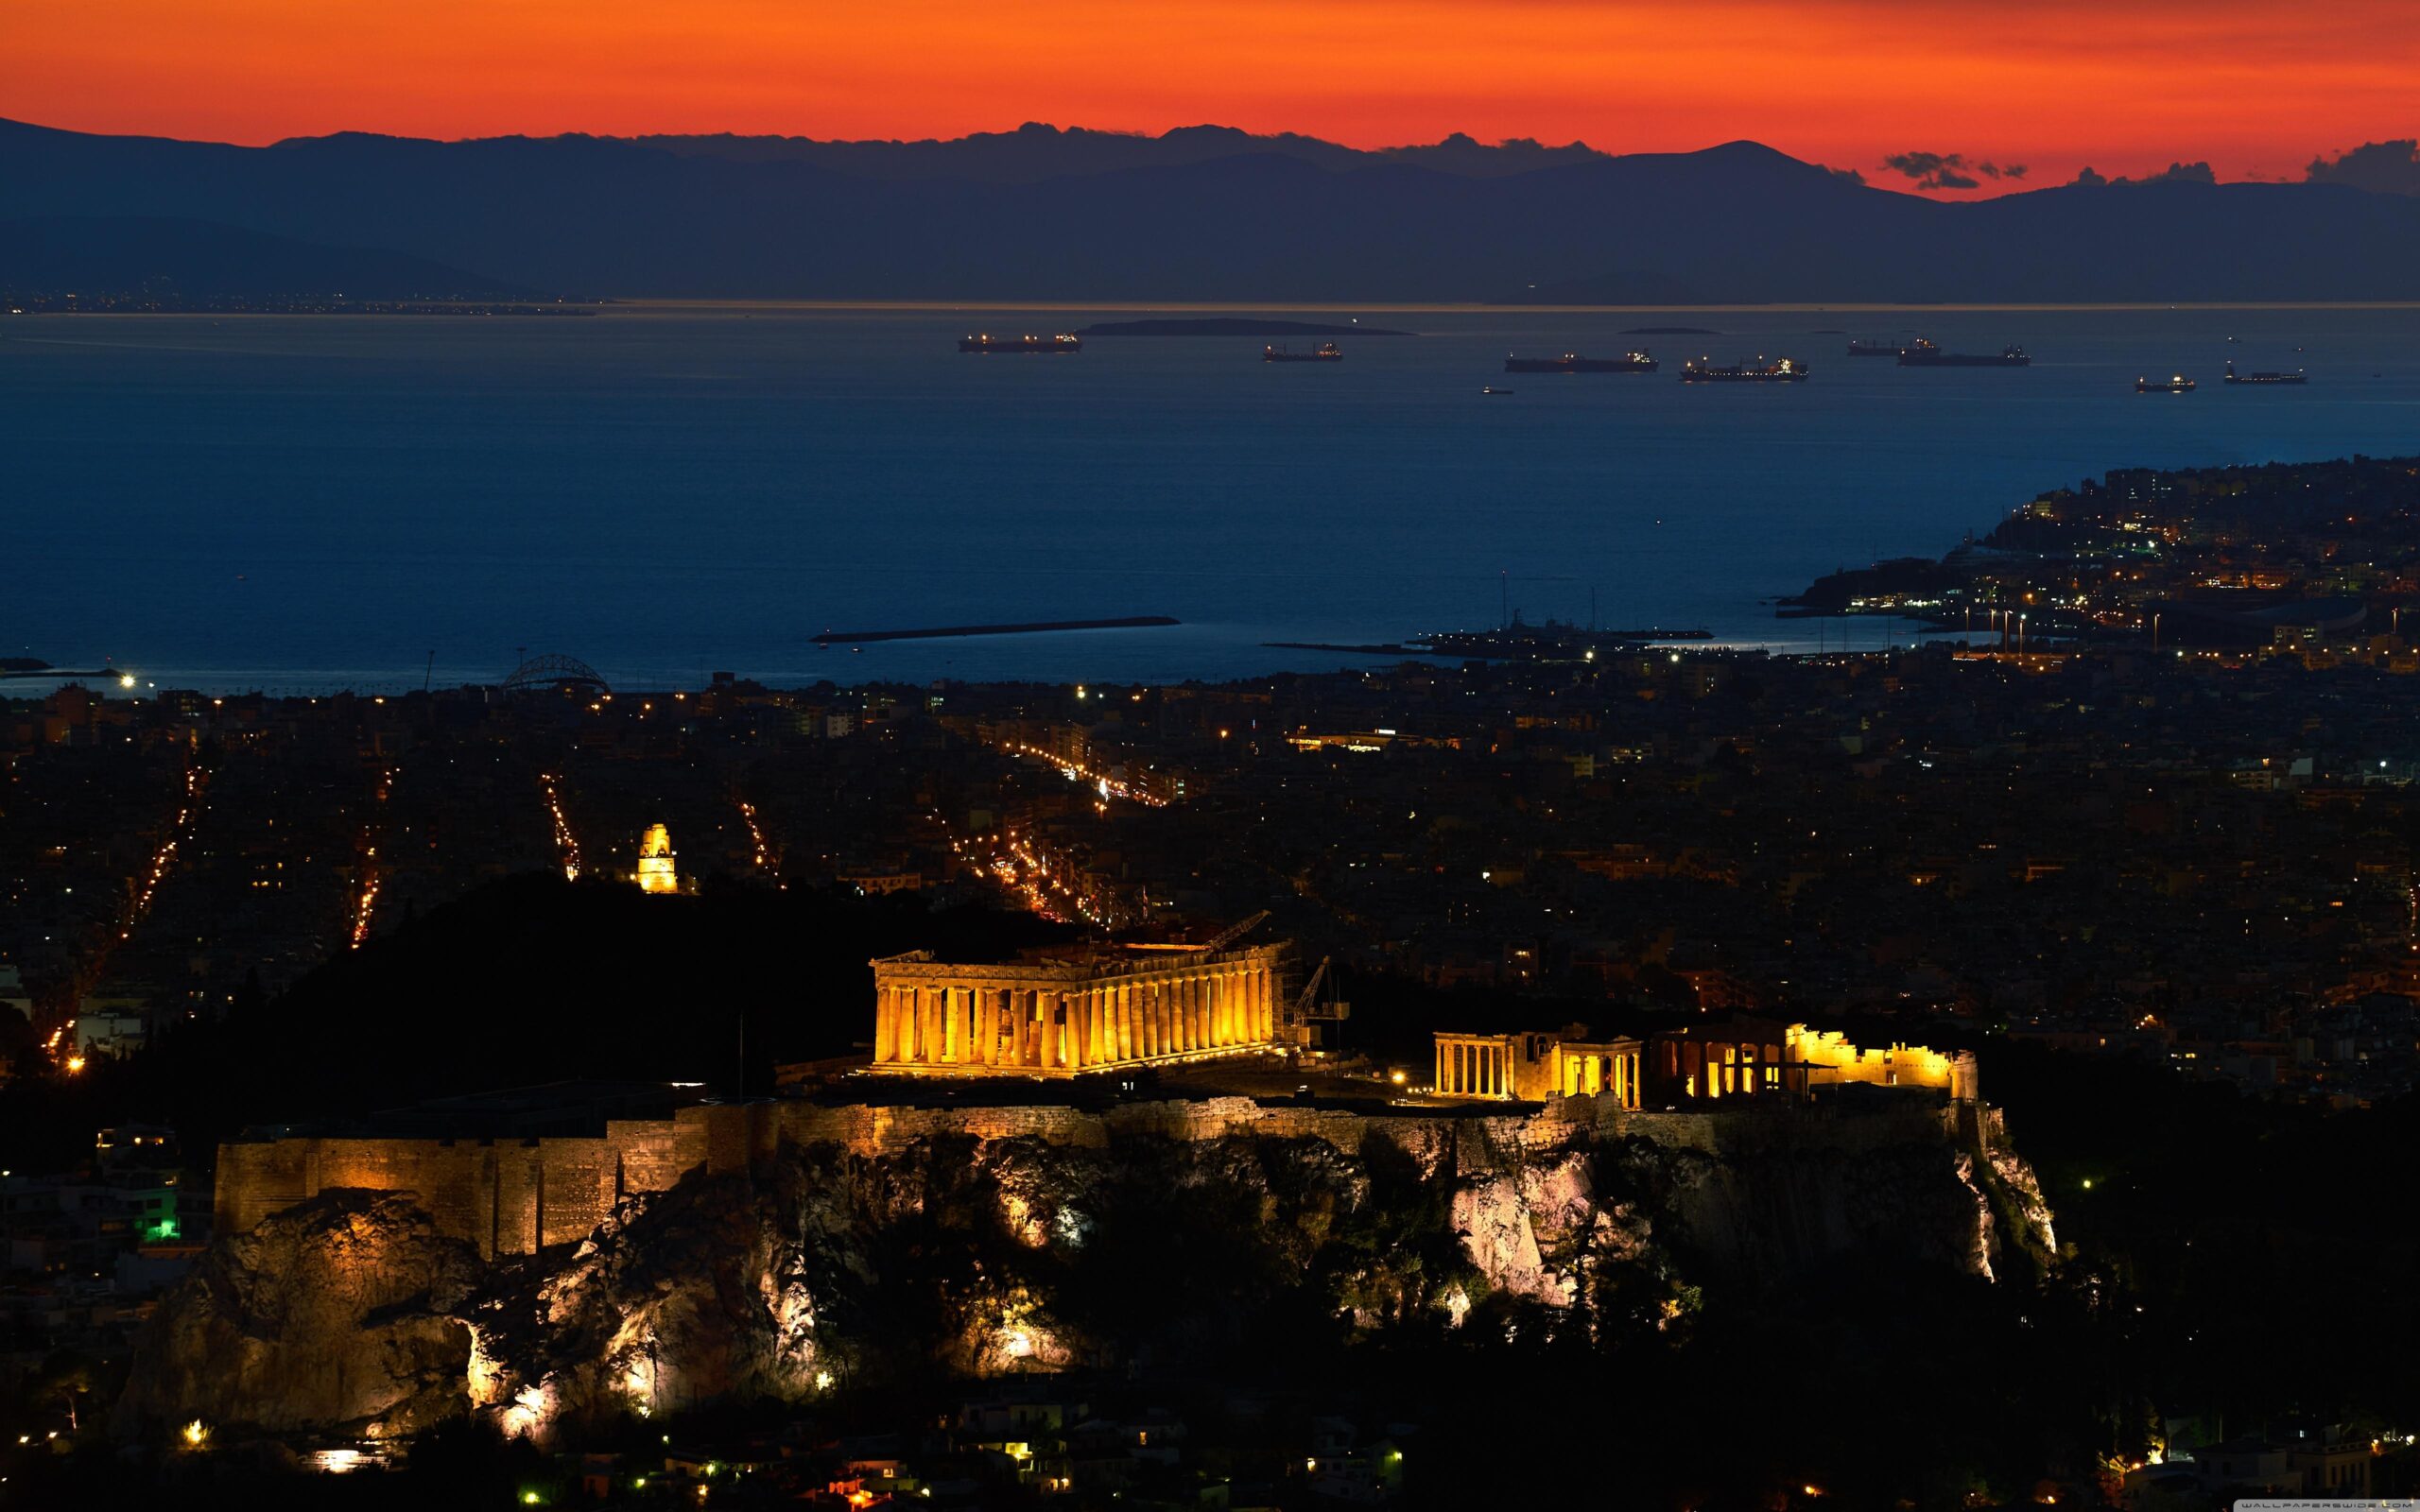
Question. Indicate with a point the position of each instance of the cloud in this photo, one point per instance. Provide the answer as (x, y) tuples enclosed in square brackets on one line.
[(2382, 168), (1948, 171)]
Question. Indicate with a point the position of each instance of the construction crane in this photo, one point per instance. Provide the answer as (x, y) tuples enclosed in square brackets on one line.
[(1307, 1009), (1234, 932)]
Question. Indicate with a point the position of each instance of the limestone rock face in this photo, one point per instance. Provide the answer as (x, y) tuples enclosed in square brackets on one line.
[(824, 1266), (336, 1314)]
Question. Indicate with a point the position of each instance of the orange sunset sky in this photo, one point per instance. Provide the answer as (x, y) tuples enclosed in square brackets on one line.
[(2255, 88)]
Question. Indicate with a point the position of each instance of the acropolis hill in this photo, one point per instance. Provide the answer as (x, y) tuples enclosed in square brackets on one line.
[(379, 1284)]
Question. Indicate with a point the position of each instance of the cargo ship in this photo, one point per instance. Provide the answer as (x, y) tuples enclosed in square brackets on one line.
[(2296, 376), (1924, 354), (2177, 384), (1065, 341), (1573, 362), (1324, 351), (1872, 349), (1779, 371)]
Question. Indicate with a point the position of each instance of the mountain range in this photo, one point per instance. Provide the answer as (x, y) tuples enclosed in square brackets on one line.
[(1205, 214)]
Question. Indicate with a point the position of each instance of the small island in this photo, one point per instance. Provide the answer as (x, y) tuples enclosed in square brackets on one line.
[(1231, 326), (1669, 331)]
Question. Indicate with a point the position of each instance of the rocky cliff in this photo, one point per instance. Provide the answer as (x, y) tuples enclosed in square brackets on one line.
[(817, 1265)]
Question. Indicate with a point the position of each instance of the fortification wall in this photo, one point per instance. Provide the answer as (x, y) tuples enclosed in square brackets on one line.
[(504, 1197), (514, 1197)]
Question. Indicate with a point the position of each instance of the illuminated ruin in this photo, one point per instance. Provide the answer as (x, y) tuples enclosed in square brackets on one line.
[(1151, 1005), (1744, 1058)]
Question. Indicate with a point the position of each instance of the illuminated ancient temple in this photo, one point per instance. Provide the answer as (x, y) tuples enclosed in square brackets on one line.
[(1533, 1067), (1742, 1057), (1107, 1011)]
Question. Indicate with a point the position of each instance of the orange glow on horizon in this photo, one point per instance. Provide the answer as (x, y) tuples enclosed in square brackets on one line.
[(2255, 88)]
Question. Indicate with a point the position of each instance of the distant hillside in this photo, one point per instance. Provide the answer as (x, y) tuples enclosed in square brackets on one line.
[(172, 257), (1213, 215), (1033, 152)]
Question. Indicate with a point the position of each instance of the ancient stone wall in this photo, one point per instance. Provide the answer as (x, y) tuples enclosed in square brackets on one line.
[(514, 1197)]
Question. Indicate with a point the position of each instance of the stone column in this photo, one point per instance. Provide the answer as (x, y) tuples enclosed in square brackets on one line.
[(1204, 987), (882, 1040)]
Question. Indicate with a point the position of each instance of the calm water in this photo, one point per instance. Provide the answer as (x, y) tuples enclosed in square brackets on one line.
[(300, 502)]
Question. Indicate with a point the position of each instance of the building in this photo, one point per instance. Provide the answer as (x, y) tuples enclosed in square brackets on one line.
[(1749, 1057), (1742, 1057), (1532, 1067), (1059, 1017), (657, 870)]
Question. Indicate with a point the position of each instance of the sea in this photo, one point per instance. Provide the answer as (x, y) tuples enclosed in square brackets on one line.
[(664, 492)]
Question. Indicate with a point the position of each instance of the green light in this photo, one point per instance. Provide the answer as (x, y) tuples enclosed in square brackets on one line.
[(529, 1498)]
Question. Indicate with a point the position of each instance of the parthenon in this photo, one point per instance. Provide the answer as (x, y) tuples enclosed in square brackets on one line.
[(1054, 1018)]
